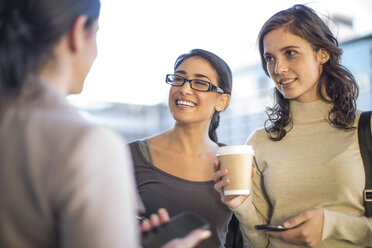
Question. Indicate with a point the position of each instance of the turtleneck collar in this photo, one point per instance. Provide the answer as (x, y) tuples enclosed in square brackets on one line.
[(309, 112)]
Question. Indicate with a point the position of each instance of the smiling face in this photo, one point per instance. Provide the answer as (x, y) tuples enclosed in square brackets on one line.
[(293, 65), (191, 106)]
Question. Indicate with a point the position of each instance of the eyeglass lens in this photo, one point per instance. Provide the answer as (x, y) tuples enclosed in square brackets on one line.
[(196, 84)]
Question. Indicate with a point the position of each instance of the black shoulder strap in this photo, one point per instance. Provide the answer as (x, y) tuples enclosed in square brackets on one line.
[(365, 145)]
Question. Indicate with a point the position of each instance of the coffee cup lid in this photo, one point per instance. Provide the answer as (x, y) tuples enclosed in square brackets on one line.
[(236, 149)]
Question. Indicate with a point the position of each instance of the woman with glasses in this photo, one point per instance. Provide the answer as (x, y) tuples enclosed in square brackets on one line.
[(309, 172), (174, 169)]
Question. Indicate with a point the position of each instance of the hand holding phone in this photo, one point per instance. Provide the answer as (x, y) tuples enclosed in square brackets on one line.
[(178, 226), (270, 227)]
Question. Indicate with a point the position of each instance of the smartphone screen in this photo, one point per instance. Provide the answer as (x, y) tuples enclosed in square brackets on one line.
[(179, 226), (270, 227)]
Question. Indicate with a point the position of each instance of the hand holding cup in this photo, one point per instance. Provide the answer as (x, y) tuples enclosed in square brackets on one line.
[(233, 174)]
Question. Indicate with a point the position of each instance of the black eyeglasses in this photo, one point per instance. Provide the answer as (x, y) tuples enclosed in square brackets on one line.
[(196, 84)]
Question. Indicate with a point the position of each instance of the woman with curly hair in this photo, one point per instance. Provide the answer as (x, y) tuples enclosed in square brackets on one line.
[(309, 172)]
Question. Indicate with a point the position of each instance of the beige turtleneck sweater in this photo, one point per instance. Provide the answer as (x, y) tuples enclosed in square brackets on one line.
[(315, 166)]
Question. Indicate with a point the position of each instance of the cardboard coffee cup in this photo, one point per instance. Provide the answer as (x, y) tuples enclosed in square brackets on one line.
[(237, 160)]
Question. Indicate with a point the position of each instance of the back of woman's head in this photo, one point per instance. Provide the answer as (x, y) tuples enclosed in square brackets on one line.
[(29, 30), (224, 79), (339, 84)]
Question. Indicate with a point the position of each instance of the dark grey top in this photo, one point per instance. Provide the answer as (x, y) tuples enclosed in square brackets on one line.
[(159, 189)]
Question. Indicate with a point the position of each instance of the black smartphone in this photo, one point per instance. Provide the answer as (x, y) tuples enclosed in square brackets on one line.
[(179, 226), (270, 227)]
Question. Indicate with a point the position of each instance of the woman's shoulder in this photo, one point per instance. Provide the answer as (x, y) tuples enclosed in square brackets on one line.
[(146, 142), (137, 142), (140, 150), (257, 135), (158, 138)]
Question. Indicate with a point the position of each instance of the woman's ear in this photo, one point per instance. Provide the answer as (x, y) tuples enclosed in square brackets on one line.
[(323, 56), (222, 102), (77, 34)]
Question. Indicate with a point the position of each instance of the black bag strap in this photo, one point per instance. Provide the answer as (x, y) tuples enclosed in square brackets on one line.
[(365, 145)]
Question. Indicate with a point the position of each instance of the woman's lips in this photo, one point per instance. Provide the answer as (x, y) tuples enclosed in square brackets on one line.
[(287, 83), (181, 102)]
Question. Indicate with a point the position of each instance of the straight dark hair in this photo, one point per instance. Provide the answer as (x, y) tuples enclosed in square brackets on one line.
[(340, 85), (29, 30), (224, 80)]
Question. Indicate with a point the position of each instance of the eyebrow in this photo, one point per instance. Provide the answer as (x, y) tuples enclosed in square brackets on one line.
[(195, 75), (283, 49), (288, 47), (180, 72)]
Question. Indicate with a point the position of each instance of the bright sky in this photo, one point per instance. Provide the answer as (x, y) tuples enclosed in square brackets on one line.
[(138, 41)]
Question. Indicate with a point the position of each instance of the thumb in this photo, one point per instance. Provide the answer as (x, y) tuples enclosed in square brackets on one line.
[(191, 240), (196, 236), (296, 221), (216, 165)]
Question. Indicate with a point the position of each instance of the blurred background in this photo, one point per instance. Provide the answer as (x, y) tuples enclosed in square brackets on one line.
[(138, 42)]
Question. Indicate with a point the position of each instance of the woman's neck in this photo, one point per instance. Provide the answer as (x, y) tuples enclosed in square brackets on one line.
[(190, 139), (308, 112), (57, 71)]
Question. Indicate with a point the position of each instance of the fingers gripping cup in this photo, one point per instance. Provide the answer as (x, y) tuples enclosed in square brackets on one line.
[(238, 161)]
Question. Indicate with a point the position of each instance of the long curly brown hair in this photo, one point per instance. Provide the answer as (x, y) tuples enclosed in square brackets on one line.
[(339, 84)]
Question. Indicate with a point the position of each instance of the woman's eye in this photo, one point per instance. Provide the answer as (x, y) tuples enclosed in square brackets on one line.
[(200, 82), (177, 79), (269, 59), (291, 52)]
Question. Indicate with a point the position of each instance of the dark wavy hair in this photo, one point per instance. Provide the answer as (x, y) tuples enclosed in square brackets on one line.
[(339, 84), (224, 80), (29, 30)]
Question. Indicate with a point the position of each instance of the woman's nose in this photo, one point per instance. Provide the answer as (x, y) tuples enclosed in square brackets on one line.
[(186, 88), (280, 66)]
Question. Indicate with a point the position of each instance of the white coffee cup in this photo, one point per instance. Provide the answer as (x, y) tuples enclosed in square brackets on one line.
[(237, 159)]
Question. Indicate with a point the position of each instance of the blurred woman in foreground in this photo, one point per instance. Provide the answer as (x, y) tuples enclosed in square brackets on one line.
[(57, 186)]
